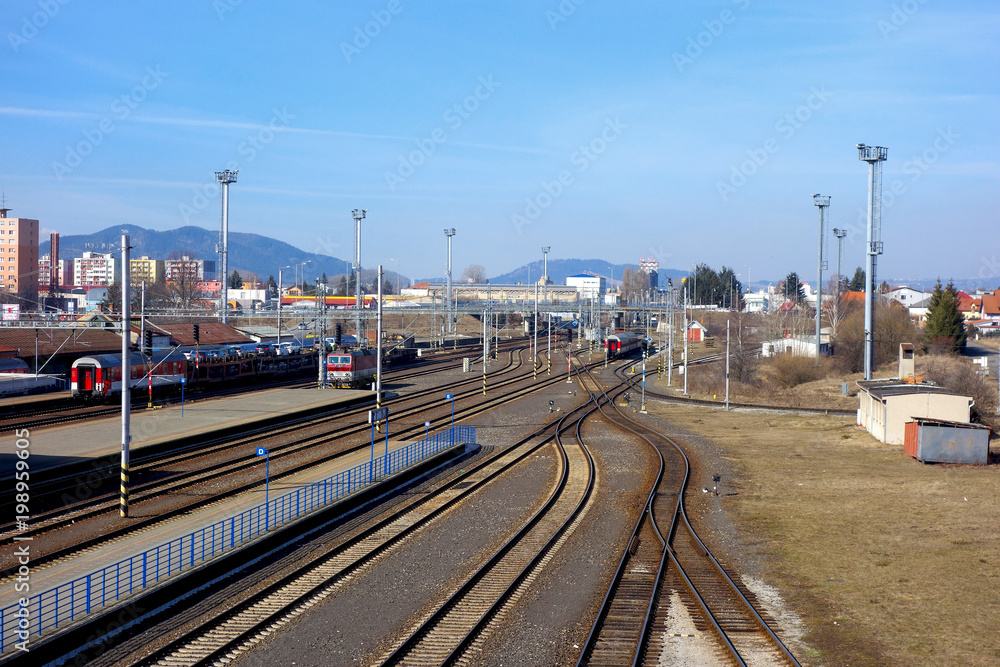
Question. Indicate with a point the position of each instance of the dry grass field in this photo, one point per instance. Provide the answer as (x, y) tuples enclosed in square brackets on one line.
[(887, 561)]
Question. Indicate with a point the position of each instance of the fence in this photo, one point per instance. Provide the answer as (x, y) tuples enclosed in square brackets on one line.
[(64, 604)]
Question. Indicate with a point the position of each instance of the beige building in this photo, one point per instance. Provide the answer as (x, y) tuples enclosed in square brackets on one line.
[(19, 258), (886, 405), (146, 270)]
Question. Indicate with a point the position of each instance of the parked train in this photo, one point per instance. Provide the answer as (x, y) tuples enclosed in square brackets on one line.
[(98, 377), (13, 365), (623, 344), (347, 368)]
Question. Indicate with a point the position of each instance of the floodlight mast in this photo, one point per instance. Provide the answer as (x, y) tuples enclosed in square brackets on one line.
[(545, 271), (224, 178), (358, 214), (874, 156), (823, 203), (449, 233)]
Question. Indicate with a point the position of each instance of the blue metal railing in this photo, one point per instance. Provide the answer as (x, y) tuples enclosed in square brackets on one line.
[(64, 604)]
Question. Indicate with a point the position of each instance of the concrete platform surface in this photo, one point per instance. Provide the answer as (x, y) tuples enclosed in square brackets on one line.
[(63, 445)]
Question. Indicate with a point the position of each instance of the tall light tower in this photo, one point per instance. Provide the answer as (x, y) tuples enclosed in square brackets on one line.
[(545, 272), (874, 156), (224, 178), (450, 232), (840, 234), (823, 203), (358, 214)]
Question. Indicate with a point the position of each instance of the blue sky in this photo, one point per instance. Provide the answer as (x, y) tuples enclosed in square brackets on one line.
[(690, 133)]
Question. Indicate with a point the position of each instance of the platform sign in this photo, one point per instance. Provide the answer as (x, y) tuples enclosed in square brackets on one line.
[(11, 312), (379, 415), (448, 397), (261, 451)]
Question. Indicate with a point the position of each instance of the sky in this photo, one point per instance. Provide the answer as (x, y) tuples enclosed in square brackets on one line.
[(692, 132)]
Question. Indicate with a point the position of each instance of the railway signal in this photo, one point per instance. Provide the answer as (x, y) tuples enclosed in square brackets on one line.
[(196, 334), (267, 485)]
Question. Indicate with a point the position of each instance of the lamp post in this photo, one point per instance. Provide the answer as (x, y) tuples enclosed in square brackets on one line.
[(545, 271), (449, 233), (358, 214), (823, 203), (874, 156), (224, 178), (279, 300)]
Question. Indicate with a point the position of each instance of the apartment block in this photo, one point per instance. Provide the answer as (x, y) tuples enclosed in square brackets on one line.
[(94, 269), (19, 257), (146, 270)]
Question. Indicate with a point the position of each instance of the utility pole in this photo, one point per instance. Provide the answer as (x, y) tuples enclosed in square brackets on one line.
[(378, 348), (670, 330), (449, 233), (548, 343), (279, 302), (686, 336), (874, 156), (823, 203), (358, 214), (534, 347), (727, 364), (126, 378), (224, 178)]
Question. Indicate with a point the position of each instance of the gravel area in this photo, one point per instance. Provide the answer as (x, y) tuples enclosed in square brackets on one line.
[(386, 597), (549, 624)]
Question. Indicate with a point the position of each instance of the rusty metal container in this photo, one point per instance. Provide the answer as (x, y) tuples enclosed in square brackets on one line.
[(938, 441)]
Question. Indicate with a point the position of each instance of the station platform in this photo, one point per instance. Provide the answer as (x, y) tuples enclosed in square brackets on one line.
[(79, 443)]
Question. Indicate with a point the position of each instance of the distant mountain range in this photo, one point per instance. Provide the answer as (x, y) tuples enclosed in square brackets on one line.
[(248, 253)]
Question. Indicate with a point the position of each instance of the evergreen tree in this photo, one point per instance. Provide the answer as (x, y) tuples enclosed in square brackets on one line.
[(272, 286), (945, 327), (235, 281), (857, 283), (792, 288), (342, 286)]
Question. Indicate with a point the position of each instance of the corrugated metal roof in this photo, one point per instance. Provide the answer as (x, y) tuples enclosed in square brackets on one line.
[(883, 388)]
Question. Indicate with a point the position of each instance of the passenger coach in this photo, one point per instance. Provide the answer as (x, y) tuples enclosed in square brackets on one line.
[(100, 375)]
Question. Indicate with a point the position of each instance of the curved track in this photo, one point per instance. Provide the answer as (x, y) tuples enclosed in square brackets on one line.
[(629, 628)]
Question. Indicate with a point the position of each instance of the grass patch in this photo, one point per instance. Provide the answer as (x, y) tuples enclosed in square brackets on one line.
[(887, 560)]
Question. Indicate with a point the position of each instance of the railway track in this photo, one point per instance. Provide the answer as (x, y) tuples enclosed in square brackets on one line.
[(72, 410), (630, 626), (453, 632), (188, 479), (219, 637), (188, 464)]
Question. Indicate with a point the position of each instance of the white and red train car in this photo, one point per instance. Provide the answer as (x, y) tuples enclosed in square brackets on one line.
[(351, 368), (100, 375)]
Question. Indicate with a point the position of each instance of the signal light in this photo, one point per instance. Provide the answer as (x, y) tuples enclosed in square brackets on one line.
[(197, 334), (147, 340)]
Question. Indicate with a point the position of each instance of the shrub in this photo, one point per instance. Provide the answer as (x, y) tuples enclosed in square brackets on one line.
[(789, 370)]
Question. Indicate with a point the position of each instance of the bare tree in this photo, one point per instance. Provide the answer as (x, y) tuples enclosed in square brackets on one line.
[(635, 284), (474, 273)]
